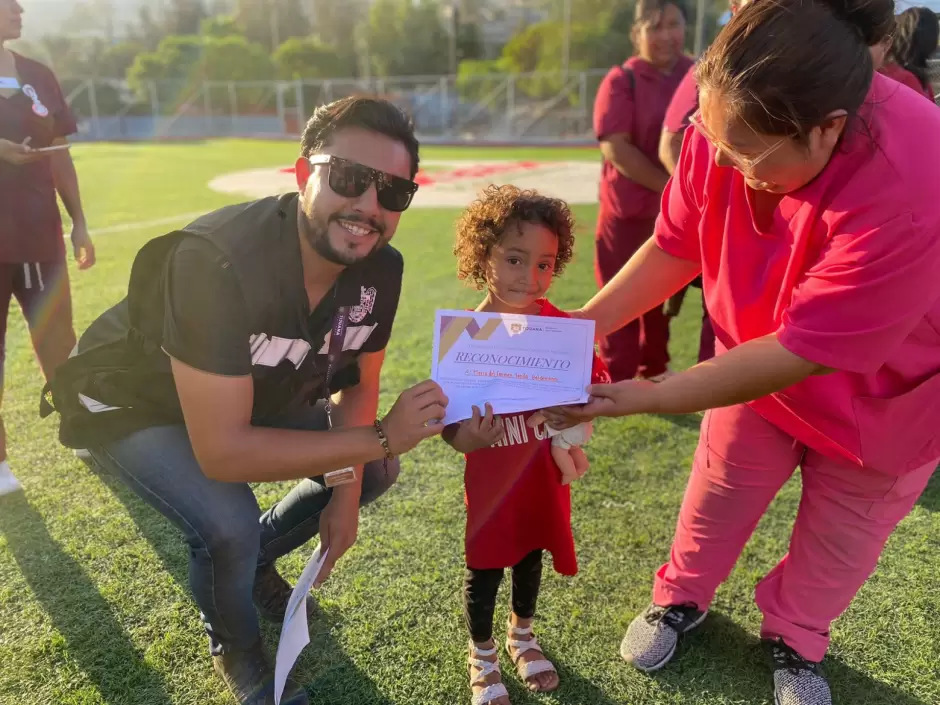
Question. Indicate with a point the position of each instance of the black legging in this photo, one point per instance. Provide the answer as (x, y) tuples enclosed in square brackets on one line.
[(481, 587)]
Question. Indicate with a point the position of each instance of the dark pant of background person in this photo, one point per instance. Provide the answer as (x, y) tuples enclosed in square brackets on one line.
[(481, 587), (706, 341), (42, 290), (641, 346), (228, 536)]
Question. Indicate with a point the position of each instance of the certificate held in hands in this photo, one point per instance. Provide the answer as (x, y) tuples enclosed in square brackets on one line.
[(514, 362)]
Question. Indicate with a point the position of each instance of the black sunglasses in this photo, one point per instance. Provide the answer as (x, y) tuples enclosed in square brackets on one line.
[(351, 180)]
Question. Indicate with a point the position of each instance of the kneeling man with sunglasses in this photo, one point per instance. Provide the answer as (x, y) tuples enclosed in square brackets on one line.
[(249, 349)]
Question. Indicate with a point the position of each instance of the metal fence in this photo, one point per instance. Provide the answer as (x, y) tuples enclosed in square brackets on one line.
[(499, 108)]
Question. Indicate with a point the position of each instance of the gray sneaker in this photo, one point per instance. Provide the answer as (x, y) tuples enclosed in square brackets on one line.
[(796, 680), (651, 639)]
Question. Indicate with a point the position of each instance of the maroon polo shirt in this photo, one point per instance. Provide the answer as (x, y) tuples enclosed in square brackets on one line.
[(905, 77), (31, 227), (683, 104), (620, 109)]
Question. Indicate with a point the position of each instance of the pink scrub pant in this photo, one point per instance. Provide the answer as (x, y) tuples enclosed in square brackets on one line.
[(846, 515)]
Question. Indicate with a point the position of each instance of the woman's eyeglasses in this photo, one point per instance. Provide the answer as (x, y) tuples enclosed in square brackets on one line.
[(745, 164), (350, 180)]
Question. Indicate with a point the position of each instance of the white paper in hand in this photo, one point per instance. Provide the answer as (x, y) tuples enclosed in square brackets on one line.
[(295, 634)]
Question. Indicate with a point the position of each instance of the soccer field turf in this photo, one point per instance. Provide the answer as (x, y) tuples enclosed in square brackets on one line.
[(94, 604)]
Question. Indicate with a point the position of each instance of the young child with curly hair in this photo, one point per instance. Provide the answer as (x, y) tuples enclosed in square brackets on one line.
[(512, 243)]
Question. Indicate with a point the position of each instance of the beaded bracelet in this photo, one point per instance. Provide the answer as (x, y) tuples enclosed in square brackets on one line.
[(384, 439)]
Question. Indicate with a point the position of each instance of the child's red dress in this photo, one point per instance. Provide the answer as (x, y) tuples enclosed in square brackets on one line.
[(515, 501)]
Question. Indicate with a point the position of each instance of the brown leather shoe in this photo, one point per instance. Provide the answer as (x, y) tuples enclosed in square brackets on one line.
[(249, 676), (271, 593)]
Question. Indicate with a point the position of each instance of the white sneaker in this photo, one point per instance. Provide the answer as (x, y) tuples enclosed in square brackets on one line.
[(8, 482)]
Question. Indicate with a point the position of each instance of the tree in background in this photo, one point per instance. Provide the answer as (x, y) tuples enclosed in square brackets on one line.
[(147, 31), (235, 59), (382, 37), (271, 22), (340, 25), (407, 38), (220, 26), (115, 61), (469, 42), (92, 18), (348, 38), (181, 64), (307, 57), (184, 17)]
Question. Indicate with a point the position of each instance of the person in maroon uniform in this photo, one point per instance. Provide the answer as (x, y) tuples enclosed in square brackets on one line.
[(33, 117), (914, 42), (685, 102), (628, 114)]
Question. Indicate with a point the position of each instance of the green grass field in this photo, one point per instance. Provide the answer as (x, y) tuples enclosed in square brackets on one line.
[(94, 604)]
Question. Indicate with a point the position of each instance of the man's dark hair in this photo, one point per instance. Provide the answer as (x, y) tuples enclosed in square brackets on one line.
[(365, 113)]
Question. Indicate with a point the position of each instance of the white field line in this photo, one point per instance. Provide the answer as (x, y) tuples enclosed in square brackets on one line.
[(124, 227)]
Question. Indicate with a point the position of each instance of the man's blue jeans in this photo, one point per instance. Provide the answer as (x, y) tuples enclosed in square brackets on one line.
[(228, 536)]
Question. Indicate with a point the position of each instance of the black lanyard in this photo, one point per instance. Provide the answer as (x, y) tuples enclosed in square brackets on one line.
[(335, 349), (337, 338)]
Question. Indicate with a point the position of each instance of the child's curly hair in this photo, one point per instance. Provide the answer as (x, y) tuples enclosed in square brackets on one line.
[(486, 220)]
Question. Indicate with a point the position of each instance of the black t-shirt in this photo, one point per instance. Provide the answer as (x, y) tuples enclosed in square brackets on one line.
[(206, 322)]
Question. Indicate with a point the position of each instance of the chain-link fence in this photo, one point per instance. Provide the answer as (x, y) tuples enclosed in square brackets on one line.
[(500, 108)]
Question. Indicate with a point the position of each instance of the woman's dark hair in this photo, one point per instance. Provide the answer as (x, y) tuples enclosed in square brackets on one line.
[(364, 112), (915, 41), (784, 65), (645, 10)]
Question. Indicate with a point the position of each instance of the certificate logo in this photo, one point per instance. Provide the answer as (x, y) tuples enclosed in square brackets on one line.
[(453, 326), (516, 328)]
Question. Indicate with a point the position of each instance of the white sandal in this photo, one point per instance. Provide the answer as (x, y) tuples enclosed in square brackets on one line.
[(531, 668), (491, 692)]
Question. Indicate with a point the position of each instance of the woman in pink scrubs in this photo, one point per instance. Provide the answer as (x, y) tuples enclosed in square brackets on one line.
[(806, 196)]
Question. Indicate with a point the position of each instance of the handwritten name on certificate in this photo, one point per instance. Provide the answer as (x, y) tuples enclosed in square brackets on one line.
[(514, 362)]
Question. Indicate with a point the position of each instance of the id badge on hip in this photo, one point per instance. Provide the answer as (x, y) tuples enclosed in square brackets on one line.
[(340, 477)]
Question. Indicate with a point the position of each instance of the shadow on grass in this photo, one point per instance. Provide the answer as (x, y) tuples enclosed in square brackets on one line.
[(930, 499), (573, 688), (325, 671), (693, 422), (322, 668), (96, 640), (723, 661)]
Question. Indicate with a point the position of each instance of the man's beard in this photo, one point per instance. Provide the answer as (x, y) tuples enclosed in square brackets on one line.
[(317, 234)]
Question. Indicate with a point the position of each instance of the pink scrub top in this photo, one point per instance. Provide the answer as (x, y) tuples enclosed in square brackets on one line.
[(846, 274)]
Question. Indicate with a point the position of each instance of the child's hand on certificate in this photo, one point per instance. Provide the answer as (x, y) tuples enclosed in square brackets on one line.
[(479, 431)]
